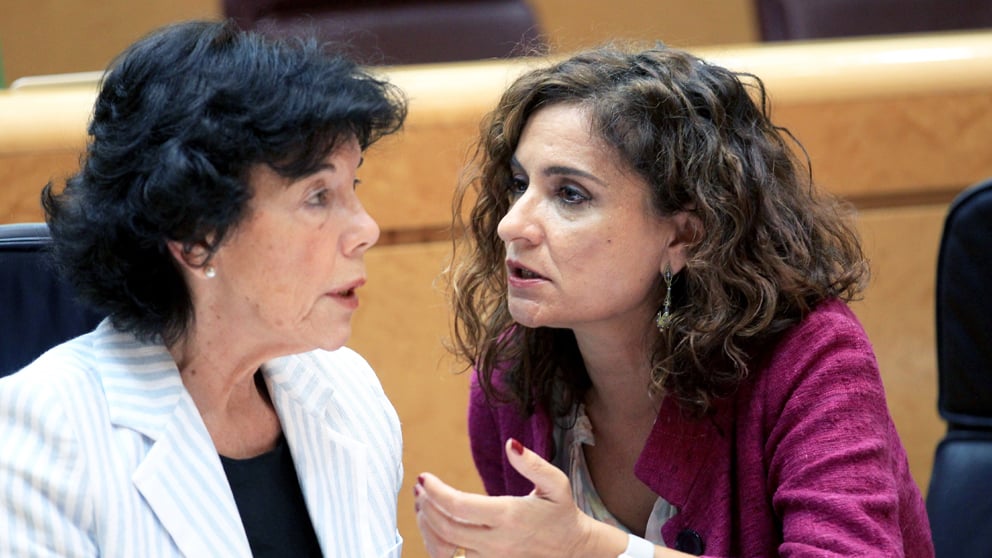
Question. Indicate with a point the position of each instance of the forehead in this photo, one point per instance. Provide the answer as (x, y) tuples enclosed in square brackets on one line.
[(346, 156), (566, 131)]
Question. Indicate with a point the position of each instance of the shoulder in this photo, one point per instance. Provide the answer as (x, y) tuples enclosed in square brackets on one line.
[(821, 373), (340, 381), (825, 362), (829, 337), (48, 411), (343, 369), (68, 369), (831, 324)]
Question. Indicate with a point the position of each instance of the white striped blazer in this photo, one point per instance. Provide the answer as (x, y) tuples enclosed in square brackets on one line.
[(103, 453)]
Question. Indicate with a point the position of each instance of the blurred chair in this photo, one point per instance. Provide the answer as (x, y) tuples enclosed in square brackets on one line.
[(38, 309), (785, 20), (380, 32), (959, 507)]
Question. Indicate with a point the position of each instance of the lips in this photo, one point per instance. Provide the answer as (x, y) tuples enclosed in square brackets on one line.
[(349, 290), (520, 271)]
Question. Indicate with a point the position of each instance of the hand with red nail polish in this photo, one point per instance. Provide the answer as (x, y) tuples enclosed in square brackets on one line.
[(544, 524)]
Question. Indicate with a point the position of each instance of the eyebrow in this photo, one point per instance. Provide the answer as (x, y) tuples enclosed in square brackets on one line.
[(332, 168), (562, 170)]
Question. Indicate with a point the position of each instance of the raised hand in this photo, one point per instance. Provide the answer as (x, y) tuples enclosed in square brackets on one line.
[(544, 524)]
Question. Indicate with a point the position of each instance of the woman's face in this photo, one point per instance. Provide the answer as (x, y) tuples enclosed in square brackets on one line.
[(288, 274), (584, 248)]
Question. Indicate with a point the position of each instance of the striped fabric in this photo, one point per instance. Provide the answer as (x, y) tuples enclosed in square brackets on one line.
[(103, 453)]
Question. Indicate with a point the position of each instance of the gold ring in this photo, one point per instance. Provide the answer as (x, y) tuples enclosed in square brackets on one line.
[(459, 553)]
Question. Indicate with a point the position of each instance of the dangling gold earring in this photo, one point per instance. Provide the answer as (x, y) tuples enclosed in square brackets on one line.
[(664, 316)]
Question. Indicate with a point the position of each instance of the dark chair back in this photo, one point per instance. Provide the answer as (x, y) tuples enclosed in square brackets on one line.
[(379, 32), (959, 507), (785, 20), (37, 309)]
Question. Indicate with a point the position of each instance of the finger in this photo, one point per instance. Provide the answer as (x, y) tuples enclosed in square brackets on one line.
[(435, 545), (463, 507), (549, 481), (443, 533)]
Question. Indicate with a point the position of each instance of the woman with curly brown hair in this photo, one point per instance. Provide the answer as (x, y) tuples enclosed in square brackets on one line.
[(654, 298)]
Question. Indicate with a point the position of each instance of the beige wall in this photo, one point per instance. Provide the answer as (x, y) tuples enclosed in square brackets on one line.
[(59, 36), (573, 24)]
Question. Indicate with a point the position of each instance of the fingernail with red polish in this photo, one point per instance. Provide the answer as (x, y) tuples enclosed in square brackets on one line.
[(516, 446), (420, 480)]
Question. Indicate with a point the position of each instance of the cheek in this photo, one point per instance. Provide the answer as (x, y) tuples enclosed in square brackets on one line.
[(624, 262)]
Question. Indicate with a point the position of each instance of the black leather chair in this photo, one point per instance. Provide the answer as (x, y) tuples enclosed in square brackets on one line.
[(378, 32), (958, 501), (37, 307), (785, 20)]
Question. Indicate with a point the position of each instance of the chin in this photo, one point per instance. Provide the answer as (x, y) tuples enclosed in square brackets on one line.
[(526, 319), (335, 341)]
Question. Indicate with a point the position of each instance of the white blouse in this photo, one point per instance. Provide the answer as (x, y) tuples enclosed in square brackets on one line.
[(570, 458)]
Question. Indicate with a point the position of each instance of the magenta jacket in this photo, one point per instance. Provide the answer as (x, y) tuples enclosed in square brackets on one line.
[(803, 461)]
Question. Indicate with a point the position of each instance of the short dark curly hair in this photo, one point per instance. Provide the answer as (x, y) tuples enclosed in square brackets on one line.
[(701, 137), (181, 118)]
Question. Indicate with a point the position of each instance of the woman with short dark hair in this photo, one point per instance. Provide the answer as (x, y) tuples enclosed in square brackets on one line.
[(215, 412)]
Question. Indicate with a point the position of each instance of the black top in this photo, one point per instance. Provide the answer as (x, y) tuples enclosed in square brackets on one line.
[(267, 492)]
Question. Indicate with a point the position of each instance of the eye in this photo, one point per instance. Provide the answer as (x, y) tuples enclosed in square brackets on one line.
[(517, 186), (572, 195), (318, 198)]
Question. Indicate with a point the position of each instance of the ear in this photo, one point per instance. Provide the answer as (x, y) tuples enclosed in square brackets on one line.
[(192, 258), (688, 233)]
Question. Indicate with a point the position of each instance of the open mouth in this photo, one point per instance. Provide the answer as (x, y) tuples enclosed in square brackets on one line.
[(521, 272), (349, 291)]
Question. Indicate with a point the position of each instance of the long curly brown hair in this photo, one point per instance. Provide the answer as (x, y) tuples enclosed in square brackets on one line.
[(771, 247)]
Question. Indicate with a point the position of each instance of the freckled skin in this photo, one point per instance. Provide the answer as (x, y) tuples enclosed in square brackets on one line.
[(281, 274)]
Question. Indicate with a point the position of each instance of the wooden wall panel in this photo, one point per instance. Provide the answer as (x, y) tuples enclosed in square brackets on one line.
[(398, 328), (897, 311), (22, 177), (912, 147)]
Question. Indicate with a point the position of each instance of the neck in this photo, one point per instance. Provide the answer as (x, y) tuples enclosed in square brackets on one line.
[(221, 381), (211, 374), (619, 368)]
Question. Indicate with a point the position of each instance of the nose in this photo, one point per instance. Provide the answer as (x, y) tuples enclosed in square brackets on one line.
[(520, 221), (364, 233)]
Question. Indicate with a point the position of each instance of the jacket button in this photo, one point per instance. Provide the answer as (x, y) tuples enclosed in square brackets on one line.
[(689, 541)]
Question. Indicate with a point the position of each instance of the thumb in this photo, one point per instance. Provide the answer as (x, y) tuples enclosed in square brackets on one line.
[(550, 483)]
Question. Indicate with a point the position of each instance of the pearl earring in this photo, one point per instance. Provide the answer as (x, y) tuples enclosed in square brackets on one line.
[(210, 272)]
